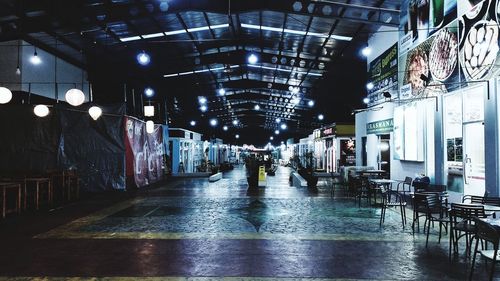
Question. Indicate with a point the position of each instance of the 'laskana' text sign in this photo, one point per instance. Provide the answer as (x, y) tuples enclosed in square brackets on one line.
[(380, 127)]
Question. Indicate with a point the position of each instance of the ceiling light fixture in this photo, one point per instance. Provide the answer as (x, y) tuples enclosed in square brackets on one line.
[(283, 126), (235, 122), (75, 97), (202, 100), (222, 92), (150, 127), (237, 136), (369, 86), (297, 32), (213, 122), (41, 110), (252, 59), (271, 138), (310, 103), (143, 58), (225, 128), (149, 92), (366, 100), (203, 108), (149, 111), (95, 112), (276, 132), (321, 117), (286, 70), (366, 51), (5, 95), (173, 32), (256, 107), (35, 59), (192, 123)]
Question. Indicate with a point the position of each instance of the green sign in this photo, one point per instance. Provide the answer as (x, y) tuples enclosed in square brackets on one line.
[(380, 127)]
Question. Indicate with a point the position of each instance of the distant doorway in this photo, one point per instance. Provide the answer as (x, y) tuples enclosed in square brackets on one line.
[(384, 154)]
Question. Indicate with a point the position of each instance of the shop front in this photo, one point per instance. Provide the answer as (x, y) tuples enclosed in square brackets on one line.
[(186, 150)]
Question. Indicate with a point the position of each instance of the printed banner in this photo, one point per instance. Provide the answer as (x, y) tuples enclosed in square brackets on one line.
[(144, 153), (383, 75), (347, 153), (431, 68), (421, 18), (479, 44)]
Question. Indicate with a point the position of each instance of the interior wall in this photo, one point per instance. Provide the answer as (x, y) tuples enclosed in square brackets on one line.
[(43, 78), (8, 62)]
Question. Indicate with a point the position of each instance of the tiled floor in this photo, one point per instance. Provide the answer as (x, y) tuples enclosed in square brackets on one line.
[(189, 229)]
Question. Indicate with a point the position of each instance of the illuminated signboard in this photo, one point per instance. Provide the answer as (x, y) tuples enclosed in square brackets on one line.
[(380, 127)]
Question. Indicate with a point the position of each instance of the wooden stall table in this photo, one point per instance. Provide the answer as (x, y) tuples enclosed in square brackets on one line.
[(38, 183), (16, 187)]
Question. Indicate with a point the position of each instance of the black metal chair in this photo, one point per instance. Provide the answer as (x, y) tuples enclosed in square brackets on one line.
[(463, 225), (391, 198), (489, 234), (429, 205), (473, 199), (403, 185), (358, 187)]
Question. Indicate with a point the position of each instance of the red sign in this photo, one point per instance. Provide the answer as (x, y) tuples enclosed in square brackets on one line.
[(144, 153)]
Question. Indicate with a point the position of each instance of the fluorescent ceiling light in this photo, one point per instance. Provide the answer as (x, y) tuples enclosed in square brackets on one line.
[(152, 35), (198, 71), (173, 32), (285, 70), (293, 31), (133, 38)]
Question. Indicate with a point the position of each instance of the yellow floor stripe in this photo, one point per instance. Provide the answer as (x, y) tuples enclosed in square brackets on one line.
[(172, 279)]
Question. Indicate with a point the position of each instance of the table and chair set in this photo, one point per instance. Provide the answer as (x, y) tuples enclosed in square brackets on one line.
[(29, 191), (472, 219)]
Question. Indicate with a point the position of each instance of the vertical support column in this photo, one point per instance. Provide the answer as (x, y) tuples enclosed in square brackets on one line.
[(439, 151), (491, 145)]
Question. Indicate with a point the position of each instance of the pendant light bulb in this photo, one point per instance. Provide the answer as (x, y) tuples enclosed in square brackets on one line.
[(75, 97), (95, 112), (5, 95), (41, 110)]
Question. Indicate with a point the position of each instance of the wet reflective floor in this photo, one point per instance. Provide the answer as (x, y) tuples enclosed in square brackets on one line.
[(190, 229)]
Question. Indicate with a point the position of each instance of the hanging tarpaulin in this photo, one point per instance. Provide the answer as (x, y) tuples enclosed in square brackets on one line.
[(93, 147), (144, 153)]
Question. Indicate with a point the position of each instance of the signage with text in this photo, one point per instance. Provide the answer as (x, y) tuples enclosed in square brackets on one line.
[(380, 127)]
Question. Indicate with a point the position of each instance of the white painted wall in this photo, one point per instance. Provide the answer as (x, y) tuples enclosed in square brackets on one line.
[(42, 76), (381, 40), (8, 64)]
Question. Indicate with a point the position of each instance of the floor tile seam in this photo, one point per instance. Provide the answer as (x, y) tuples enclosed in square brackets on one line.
[(229, 236), (93, 217)]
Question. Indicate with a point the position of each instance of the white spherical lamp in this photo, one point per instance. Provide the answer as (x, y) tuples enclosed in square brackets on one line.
[(95, 112), (150, 127), (5, 95), (41, 110), (75, 97)]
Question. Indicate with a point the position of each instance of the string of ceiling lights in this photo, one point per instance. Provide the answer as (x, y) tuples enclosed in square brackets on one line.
[(74, 96)]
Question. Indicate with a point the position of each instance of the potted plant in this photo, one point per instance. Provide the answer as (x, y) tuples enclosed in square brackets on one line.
[(252, 167), (307, 172)]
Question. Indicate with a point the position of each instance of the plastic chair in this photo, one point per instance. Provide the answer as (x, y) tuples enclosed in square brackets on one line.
[(489, 234), (462, 224), (394, 199)]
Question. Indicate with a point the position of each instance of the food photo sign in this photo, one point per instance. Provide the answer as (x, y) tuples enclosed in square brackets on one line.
[(479, 43), (421, 18), (432, 67), (457, 54)]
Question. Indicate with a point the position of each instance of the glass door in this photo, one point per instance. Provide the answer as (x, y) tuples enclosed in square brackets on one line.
[(474, 168), (473, 154)]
